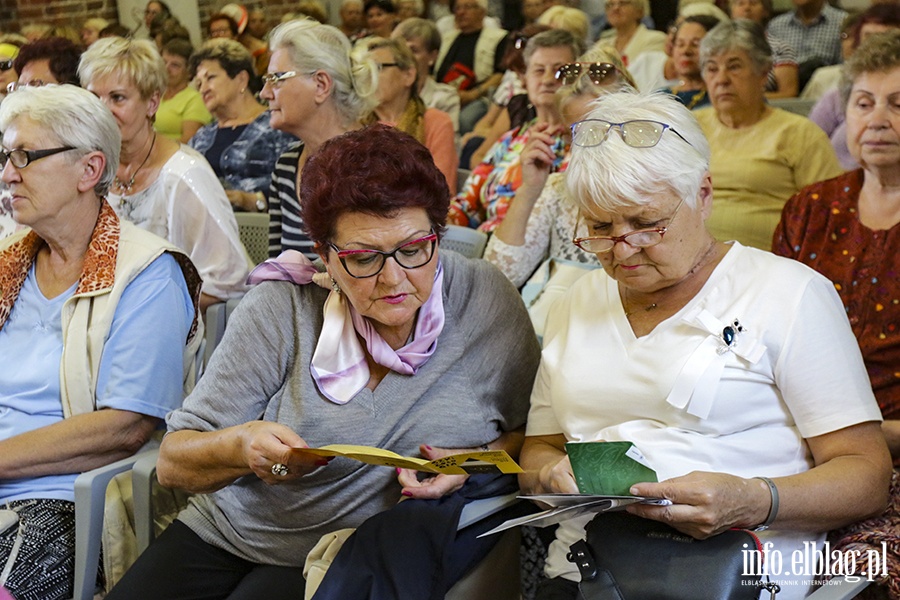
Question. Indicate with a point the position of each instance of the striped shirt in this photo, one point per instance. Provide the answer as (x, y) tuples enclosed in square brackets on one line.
[(286, 231)]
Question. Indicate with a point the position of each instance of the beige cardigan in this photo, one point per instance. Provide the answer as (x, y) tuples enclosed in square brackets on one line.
[(117, 253)]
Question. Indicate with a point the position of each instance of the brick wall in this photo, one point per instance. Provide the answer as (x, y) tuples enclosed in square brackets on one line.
[(16, 13)]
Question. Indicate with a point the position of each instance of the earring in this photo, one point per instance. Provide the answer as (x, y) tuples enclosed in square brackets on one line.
[(335, 287), (243, 90)]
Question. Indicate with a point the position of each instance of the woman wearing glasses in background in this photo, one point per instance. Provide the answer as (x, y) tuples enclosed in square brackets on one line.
[(490, 188), (537, 230), (406, 348), (400, 106), (737, 375), (314, 93)]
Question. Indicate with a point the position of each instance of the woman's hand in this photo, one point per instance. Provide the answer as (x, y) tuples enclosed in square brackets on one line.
[(264, 444), (538, 156), (246, 201), (704, 504), (432, 487), (558, 478)]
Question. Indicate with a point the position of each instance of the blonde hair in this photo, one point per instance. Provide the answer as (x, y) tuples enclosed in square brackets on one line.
[(137, 60), (563, 17)]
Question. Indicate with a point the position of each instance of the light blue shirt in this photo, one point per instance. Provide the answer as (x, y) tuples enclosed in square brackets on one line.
[(141, 368)]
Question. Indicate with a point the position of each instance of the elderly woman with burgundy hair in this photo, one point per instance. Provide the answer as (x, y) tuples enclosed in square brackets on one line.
[(406, 349)]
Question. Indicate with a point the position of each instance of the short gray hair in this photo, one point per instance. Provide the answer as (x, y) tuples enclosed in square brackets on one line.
[(313, 47), (138, 60), (614, 175), (739, 34), (879, 53), (72, 115), (553, 38), (416, 28)]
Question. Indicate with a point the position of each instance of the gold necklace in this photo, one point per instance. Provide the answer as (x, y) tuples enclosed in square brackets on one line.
[(653, 306), (125, 188)]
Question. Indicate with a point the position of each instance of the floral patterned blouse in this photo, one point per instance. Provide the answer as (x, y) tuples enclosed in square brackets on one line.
[(820, 227), (492, 185)]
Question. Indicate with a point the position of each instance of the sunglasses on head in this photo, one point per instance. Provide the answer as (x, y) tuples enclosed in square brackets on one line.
[(600, 73)]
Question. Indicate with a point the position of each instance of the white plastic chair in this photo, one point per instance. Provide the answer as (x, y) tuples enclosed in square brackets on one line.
[(468, 242), (90, 502)]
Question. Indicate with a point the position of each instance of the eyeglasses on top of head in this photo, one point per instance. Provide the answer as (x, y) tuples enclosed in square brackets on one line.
[(600, 73), (640, 238), (637, 133), (363, 263), (22, 158), (274, 79)]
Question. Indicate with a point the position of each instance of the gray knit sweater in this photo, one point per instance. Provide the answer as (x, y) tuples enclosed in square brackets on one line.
[(475, 386)]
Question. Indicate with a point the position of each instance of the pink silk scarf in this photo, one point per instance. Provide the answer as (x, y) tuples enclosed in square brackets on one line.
[(339, 365)]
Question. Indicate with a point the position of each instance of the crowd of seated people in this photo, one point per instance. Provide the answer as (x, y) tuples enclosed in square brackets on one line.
[(486, 195), (630, 226)]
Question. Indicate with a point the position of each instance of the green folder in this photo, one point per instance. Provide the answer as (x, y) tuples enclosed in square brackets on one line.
[(608, 468)]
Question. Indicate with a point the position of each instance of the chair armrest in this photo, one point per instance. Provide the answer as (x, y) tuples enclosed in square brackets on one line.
[(840, 588), (479, 509), (90, 500), (142, 478)]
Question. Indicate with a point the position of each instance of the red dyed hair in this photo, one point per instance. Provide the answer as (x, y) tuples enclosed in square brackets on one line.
[(377, 170)]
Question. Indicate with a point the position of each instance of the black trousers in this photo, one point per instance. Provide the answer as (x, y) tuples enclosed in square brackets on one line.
[(181, 566)]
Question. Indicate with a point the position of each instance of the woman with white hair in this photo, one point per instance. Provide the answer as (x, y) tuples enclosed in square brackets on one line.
[(97, 328), (533, 245), (737, 376), (315, 92), (162, 186), (628, 35)]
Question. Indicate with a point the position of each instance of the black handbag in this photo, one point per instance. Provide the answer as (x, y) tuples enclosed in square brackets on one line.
[(626, 557)]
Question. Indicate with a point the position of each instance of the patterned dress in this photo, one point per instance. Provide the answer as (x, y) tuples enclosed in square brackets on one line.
[(490, 188), (820, 227)]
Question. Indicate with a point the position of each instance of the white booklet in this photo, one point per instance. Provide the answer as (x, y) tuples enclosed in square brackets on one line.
[(567, 506)]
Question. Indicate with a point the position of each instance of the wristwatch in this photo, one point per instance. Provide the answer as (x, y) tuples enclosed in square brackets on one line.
[(261, 205)]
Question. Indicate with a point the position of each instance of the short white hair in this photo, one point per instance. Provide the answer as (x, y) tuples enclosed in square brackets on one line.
[(312, 46), (72, 115), (613, 175)]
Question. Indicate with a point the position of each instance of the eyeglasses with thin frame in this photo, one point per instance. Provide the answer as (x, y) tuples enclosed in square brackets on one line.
[(640, 238), (274, 79), (363, 263), (12, 86), (22, 158), (600, 73), (637, 133)]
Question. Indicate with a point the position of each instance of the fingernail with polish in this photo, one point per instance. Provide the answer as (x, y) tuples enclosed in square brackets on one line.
[(398, 470), (429, 448), (407, 494)]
